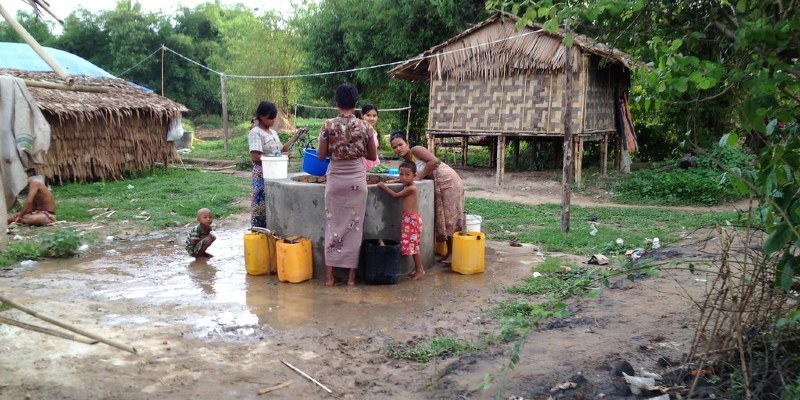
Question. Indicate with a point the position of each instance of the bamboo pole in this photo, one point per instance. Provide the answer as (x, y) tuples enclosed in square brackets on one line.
[(36, 46), (162, 68), (47, 331), (56, 322), (307, 376), (62, 86)]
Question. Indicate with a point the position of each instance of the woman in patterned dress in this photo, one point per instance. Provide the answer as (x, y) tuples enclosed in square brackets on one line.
[(346, 139)]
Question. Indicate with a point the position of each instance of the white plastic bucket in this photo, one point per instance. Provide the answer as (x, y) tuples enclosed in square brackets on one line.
[(275, 167), (473, 222)]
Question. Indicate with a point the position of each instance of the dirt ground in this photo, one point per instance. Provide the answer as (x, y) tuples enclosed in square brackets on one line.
[(207, 330)]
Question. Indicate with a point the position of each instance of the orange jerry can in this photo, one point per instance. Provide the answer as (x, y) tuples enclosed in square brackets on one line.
[(294, 259)]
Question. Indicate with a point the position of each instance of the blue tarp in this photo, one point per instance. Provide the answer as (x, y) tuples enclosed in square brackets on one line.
[(21, 56)]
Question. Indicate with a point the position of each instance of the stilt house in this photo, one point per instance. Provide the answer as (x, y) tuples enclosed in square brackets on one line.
[(499, 83)]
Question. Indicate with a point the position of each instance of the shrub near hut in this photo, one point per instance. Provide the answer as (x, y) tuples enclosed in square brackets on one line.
[(703, 183)]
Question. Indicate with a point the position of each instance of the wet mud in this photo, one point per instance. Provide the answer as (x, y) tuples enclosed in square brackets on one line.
[(207, 330)]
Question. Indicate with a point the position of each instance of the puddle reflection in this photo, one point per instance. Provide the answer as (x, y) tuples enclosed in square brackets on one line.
[(217, 298)]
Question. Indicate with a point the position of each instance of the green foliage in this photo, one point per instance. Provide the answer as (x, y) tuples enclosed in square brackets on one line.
[(39, 28), (551, 265), (62, 243), (171, 198), (18, 251), (706, 183), (562, 283), (519, 316), (437, 348), (676, 187), (540, 224), (345, 34), (4, 306)]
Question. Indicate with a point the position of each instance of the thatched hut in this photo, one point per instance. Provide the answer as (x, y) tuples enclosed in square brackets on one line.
[(498, 82), (97, 136)]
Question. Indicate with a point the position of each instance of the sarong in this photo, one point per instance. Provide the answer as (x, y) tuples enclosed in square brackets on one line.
[(410, 232), (345, 205), (259, 209), (448, 199)]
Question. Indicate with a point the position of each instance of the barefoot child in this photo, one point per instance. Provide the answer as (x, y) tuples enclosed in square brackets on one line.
[(200, 238), (411, 221)]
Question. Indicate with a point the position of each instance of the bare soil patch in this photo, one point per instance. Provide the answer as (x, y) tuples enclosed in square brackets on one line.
[(207, 331)]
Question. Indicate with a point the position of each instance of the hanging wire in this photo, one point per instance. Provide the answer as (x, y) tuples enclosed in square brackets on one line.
[(347, 70)]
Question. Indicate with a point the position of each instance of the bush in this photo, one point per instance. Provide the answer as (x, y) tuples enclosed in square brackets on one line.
[(61, 244), (701, 185), (690, 186)]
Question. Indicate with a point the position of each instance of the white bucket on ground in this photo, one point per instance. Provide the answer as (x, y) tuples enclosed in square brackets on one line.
[(474, 222), (275, 167)]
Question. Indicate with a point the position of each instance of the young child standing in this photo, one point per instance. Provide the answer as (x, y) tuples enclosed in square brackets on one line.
[(411, 229), (200, 238)]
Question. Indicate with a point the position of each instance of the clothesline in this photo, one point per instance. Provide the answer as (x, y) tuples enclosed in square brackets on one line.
[(165, 48), (334, 108)]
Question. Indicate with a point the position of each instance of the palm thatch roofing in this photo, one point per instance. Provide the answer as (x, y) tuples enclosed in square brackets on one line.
[(98, 136), (495, 48), (122, 99)]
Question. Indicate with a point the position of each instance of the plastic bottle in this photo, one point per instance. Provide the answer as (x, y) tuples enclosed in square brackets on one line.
[(656, 243)]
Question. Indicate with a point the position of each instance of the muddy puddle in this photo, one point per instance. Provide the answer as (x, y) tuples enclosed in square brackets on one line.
[(217, 299)]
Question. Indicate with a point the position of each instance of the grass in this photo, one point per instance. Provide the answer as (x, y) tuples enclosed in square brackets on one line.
[(169, 197), (541, 224), (441, 347)]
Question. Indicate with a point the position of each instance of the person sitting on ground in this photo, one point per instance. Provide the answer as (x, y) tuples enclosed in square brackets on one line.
[(39, 207), (411, 228), (200, 238)]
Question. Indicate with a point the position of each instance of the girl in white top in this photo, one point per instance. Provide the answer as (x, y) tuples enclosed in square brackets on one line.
[(264, 141)]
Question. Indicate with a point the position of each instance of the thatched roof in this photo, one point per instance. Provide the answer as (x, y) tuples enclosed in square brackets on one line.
[(122, 99), (485, 51)]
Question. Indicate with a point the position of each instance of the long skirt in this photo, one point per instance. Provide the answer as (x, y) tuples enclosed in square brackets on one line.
[(345, 205), (259, 209), (448, 196)]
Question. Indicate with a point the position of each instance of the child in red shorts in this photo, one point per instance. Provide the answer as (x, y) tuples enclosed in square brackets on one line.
[(411, 229)]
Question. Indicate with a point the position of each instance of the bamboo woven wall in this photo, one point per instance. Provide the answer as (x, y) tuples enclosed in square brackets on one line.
[(525, 103), (528, 104), (103, 148), (600, 96)]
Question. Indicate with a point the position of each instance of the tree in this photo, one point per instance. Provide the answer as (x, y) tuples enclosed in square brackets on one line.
[(343, 34), (38, 28)]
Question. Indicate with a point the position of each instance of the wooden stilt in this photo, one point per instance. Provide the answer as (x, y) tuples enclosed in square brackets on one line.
[(501, 160), (578, 159), (532, 145), (464, 150), (516, 153), (604, 155)]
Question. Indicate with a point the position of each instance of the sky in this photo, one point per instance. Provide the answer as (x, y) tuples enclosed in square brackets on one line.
[(62, 8)]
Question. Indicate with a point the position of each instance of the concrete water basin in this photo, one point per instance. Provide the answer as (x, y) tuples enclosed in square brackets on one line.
[(296, 207)]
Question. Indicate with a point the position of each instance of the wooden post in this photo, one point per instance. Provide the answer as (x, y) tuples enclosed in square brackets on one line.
[(578, 158), (501, 160), (162, 69), (464, 150), (408, 118), (516, 152), (224, 93), (566, 182), (618, 155), (532, 145), (604, 155)]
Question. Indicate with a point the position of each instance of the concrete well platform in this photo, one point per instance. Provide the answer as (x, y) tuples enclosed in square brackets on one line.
[(297, 208)]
